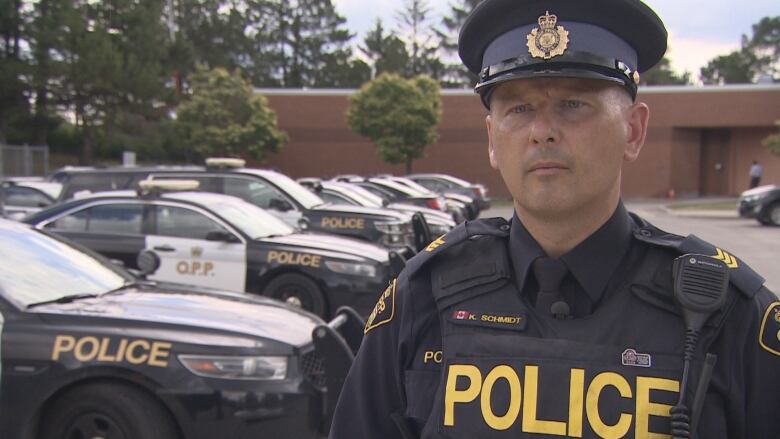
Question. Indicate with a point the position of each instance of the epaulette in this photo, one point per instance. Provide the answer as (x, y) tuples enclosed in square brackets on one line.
[(461, 233), (741, 275)]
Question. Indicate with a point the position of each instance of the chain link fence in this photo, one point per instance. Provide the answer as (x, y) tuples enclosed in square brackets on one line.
[(23, 161)]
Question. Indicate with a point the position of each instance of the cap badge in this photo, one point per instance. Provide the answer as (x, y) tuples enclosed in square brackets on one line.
[(548, 40)]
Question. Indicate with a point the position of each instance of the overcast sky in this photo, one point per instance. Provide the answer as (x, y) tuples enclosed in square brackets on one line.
[(699, 30)]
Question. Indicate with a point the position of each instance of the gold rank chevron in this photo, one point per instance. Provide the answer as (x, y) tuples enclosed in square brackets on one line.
[(435, 244), (730, 261)]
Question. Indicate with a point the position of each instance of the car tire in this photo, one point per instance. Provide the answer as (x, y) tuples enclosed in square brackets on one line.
[(773, 214), (298, 290), (107, 410)]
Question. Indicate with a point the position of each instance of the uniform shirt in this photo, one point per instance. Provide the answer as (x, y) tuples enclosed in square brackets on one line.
[(397, 371)]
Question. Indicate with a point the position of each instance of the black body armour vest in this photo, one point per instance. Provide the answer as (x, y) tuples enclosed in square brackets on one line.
[(510, 373)]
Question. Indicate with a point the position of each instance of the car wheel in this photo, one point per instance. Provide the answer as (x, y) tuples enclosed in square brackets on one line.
[(298, 290), (107, 411), (773, 214)]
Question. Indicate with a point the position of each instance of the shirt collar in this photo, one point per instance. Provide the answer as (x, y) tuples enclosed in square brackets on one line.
[(592, 262)]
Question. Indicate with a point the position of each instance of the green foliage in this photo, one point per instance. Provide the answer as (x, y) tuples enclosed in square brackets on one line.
[(662, 74), (772, 142), (399, 115), (758, 57), (456, 74), (386, 51), (224, 117)]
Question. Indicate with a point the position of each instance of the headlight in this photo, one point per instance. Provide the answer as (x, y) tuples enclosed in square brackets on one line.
[(351, 268), (236, 368), (439, 229), (389, 227)]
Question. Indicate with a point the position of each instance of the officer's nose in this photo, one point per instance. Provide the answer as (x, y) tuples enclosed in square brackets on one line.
[(543, 130)]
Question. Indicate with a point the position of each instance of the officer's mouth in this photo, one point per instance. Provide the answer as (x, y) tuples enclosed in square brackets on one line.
[(547, 168)]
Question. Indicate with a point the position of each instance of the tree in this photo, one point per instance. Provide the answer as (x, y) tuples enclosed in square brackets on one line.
[(662, 74), (12, 67), (758, 57), (457, 75), (399, 115), (223, 116), (386, 51), (772, 142), (414, 20)]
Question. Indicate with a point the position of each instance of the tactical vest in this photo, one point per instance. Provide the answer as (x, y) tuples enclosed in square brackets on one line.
[(507, 372)]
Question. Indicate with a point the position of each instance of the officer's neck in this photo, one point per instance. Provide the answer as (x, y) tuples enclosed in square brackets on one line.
[(559, 234)]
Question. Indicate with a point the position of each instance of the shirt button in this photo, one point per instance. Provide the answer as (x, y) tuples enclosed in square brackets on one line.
[(504, 228), (645, 233)]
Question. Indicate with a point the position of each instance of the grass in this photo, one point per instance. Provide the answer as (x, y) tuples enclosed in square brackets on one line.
[(717, 205)]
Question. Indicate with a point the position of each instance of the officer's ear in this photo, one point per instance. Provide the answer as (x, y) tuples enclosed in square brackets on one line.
[(491, 145), (637, 117)]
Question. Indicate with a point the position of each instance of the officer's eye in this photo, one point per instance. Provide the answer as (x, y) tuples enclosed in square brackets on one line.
[(523, 108), (573, 104)]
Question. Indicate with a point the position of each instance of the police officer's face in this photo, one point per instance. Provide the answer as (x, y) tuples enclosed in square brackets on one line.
[(560, 143)]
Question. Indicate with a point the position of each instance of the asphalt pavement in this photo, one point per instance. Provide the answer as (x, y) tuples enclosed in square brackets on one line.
[(757, 245)]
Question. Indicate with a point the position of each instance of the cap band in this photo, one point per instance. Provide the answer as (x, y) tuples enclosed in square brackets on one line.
[(583, 38)]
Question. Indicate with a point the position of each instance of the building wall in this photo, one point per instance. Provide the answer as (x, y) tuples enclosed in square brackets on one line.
[(684, 123)]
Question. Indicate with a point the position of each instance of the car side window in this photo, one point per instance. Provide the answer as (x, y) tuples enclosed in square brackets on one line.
[(330, 197), (180, 222), (434, 185), (25, 197), (255, 191), (107, 218)]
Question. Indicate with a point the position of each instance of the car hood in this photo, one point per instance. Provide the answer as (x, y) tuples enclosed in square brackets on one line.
[(339, 209), (431, 215), (332, 246), (191, 307), (760, 190)]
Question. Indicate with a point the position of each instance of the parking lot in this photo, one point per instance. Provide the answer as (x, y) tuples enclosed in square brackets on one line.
[(755, 244)]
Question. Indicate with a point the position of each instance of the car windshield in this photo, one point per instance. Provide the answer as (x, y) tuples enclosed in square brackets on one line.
[(363, 196), (294, 189), (413, 184), (38, 268), (250, 219)]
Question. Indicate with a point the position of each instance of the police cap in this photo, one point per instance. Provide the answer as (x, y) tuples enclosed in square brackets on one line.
[(612, 40)]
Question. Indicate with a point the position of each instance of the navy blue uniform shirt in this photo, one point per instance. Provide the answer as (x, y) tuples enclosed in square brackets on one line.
[(397, 371)]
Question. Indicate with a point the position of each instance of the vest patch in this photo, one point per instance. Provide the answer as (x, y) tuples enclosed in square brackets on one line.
[(384, 310), (515, 322), (630, 357), (769, 336)]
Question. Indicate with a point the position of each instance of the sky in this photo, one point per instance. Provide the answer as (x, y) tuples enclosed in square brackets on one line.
[(699, 30)]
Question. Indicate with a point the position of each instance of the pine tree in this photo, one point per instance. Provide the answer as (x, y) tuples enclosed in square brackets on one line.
[(457, 75)]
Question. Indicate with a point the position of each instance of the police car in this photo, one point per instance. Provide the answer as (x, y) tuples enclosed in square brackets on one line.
[(269, 190), (221, 241), (91, 351), (20, 197), (336, 192), (443, 183)]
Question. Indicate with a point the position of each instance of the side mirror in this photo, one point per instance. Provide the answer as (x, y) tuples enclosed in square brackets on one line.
[(148, 262), (280, 205), (221, 236)]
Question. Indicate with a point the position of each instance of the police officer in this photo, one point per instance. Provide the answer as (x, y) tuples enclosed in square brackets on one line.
[(577, 318)]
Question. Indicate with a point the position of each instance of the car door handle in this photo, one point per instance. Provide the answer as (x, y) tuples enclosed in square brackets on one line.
[(164, 248)]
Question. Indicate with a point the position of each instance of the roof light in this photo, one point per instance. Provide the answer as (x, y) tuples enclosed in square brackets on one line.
[(147, 186), (225, 162)]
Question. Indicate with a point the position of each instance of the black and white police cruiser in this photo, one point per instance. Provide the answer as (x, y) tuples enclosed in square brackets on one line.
[(91, 351), (220, 241), (270, 190)]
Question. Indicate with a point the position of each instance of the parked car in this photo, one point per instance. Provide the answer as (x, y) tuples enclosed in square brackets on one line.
[(89, 350), (761, 203), (443, 183), (350, 194), (21, 197), (220, 241), (468, 201), (269, 190)]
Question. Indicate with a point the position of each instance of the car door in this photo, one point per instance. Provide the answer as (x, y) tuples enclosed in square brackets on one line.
[(179, 237), (113, 229), (21, 201), (264, 195)]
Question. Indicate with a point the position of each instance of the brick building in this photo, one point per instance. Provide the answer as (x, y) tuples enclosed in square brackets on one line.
[(701, 140)]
